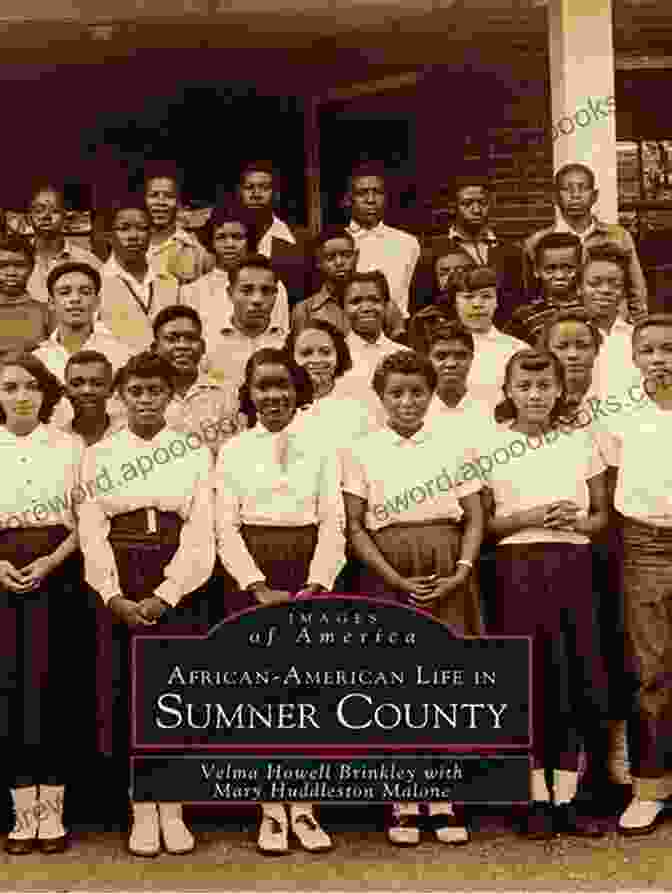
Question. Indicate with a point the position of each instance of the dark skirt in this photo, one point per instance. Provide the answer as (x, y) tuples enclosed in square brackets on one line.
[(39, 668), (544, 590), (419, 549), (282, 553), (141, 558)]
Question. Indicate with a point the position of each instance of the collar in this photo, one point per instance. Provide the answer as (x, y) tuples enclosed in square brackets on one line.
[(319, 299), (260, 430), (114, 424), (113, 268), (360, 342), (55, 337), (620, 327), (486, 235), (231, 329), (180, 236), (562, 226), (39, 435), (420, 437), (65, 252), (493, 334), (203, 383), (279, 230), (361, 232)]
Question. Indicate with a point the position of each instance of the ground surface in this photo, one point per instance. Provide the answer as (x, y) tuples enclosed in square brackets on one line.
[(226, 859)]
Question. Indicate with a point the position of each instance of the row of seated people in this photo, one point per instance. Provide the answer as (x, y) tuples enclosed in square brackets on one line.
[(338, 441)]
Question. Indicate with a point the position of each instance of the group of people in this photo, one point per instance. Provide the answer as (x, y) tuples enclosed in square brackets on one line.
[(186, 432)]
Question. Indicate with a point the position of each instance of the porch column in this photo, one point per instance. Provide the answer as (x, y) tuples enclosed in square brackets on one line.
[(583, 116)]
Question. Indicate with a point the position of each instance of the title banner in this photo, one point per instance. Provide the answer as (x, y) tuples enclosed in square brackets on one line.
[(331, 673)]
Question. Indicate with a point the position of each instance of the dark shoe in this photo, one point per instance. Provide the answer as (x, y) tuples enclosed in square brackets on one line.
[(53, 845), (571, 820), (19, 846), (538, 825), (448, 828)]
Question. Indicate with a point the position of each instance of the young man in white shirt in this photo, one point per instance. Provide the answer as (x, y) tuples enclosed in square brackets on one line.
[(172, 250), (132, 293), (575, 196), (381, 247), (47, 217), (88, 386), (253, 289)]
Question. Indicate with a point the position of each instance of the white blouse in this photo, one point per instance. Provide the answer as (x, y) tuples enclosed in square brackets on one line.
[(279, 479), (492, 351), (404, 480), (170, 473), (528, 471), (40, 474)]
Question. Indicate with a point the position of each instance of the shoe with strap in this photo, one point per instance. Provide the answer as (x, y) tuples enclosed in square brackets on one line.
[(306, 828), (22, 837), (52, 837), (144, 840), (448, 827), (405, 830), (273, 839), (177, 839)]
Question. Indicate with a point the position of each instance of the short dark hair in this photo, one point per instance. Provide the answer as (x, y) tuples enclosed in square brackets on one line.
[(18, 245), (259, 262), (374, 276), (229, 212), (569, 316), (557, 240), (570, 168), (343, 358), (167, 169), (258, 166), (50, 386), (73, 267), (476, 278), (367, 169), (329, 233), (177, 312), (47, 186), (82, 357), (533, 361), (408, 363), (651, 320), (145, 365), (465, 180), (127, 202), (302, 381), (450, 331), (611, 254)]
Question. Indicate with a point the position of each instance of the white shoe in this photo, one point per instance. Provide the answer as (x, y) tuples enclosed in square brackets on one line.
[(273, 838), (177, 839), (311, 835), (640, 817), (50, 812), (144, 840), (406, 829)]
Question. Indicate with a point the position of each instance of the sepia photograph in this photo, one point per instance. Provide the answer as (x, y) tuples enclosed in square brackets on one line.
[(335, 494)]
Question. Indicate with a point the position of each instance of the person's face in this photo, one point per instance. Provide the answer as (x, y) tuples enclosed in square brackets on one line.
[(367, 200), (273, 394), (256, 190), (476, 309), (533, 393), (253, 297), (88, 387), (180, 342), (473, 207), (573, 345), (452, 360), (15, 270), (406, 399), (47, 214), (603, 289), (20, 397), (229, 243), (130, 235), (337, 259), (449, 266), (74, 299), (316, 352), (146, 401), (364, 307), (652, 355), (575, 197), (557, 270), (162, 199)]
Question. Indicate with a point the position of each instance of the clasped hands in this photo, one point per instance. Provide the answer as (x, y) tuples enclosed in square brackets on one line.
[(145, 613), (23, 580), (429, 589), (561, 515)]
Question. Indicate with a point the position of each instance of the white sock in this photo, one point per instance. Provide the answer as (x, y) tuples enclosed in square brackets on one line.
[(25, 812), (565, 783), (50, 811), (538, 788)]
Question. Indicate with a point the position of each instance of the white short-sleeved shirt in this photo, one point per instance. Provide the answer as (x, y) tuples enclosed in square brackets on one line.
[(171, 472), (614, 372), (471, 421), (407, 480), (524, 472), (40, 473), (394, 252), (641, 444), (492, 351)]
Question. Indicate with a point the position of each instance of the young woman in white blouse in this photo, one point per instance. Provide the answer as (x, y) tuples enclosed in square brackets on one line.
[(419, 552), (40, 580), (280, 524), (147, 535), (548, 483)]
